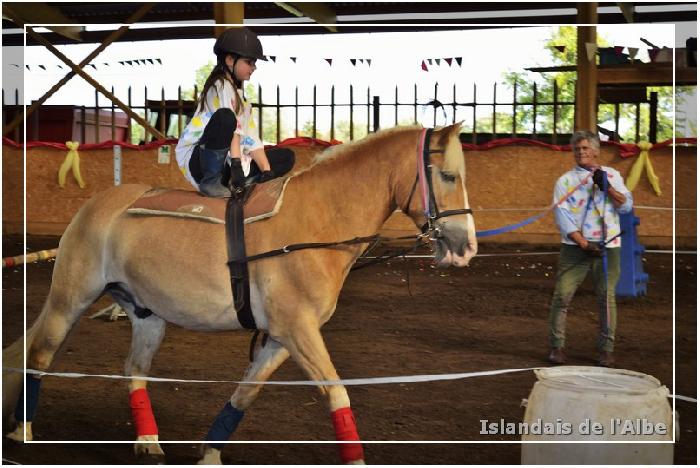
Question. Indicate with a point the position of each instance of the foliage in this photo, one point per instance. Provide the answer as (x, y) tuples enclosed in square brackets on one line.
[(566, 89)]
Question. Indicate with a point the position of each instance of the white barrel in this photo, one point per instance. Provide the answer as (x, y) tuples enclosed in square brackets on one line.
[(603, 407)]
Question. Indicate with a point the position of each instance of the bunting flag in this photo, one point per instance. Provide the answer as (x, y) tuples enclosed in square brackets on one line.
[(633, 52), (369, 62), (353, 61), (361, 60), (591, 48), (330, 61), (560, 48), (293, 59), (619, 49), (437, 61), (130, 62), (27, 67), (92, 65), (121, 62), (150, 61), (273, 58), (459, 61), (430, 61), (424, 66), (160, 62), (42, 67), (106, 64), (449, 61)]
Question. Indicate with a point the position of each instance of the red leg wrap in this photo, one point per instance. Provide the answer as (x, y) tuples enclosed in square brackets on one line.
[(345, 429), (141, 413)]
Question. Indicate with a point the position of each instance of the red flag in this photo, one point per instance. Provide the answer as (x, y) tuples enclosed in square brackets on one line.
[(618, 50), (424, 66), (449, 61)]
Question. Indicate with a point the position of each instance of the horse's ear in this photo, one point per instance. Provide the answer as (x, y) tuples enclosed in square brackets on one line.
[(450, 130)]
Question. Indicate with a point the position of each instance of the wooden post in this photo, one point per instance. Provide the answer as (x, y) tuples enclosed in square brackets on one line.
[(96, 123), (653, 116), (587, 70), (227, 13), (179, 111), (375, 107)]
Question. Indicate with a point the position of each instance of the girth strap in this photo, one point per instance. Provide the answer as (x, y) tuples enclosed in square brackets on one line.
[(235, 241)]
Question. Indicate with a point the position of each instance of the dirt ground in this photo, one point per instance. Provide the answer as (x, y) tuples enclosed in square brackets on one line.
[(396, 318)]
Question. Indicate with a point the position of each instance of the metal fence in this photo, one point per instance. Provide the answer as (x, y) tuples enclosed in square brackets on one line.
[(542, 111)]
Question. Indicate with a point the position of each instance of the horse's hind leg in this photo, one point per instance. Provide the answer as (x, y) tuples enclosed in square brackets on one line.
[(146, 337), (266, 361), (74, 287)]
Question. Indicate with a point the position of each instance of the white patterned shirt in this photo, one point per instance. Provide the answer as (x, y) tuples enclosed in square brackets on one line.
[(582, 210), (218, 96)]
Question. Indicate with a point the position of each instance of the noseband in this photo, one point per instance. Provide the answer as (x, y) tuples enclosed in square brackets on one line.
[(424, 176)]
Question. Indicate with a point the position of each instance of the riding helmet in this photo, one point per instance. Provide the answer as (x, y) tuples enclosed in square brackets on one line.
[(239, 41)]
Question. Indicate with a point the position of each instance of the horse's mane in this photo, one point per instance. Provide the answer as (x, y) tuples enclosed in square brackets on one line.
[(454, 158), (338, 151)]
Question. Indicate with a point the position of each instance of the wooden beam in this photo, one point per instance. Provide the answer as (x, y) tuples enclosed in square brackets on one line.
[(140, 13), (96, 85), (22, 13), (227, 13), (646, 74), (587, 71), (627, 10), (319, 12)]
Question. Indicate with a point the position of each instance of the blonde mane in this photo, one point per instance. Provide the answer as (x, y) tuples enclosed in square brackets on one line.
[(338, 151)]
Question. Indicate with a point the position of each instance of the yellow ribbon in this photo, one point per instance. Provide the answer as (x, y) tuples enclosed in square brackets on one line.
[(72, 161), (643, 161)]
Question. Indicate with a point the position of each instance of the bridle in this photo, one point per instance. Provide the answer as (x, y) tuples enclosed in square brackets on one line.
[(424, 177)]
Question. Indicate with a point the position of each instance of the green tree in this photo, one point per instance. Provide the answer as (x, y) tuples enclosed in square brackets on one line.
[(566, 89)]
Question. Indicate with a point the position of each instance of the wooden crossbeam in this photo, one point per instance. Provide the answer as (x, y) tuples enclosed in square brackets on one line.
[(96, 85), (319, 12), (140, 13)]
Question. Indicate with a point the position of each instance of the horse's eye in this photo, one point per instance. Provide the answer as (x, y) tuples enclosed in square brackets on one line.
[(447, 177)]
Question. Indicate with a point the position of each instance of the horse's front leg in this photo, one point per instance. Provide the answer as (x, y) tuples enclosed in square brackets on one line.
[(307, 348), (266, 361), (147, 335)]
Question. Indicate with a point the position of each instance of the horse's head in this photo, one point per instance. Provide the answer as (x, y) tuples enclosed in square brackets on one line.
[(437, 197)]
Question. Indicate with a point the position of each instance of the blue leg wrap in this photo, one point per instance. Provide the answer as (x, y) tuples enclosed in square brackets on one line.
[(32, 387), (224, 425)]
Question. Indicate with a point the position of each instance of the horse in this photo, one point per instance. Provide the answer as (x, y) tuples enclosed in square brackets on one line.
[(177, 269)]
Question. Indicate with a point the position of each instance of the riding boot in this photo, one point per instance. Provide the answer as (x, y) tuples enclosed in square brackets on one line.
[(212, 164)]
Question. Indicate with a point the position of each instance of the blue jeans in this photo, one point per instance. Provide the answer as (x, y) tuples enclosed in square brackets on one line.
[(574, 265)]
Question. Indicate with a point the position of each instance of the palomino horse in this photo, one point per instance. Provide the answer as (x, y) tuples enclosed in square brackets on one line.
[(182, 277)]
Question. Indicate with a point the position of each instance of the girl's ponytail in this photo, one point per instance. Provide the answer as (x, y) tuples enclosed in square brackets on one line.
[(219, 72)]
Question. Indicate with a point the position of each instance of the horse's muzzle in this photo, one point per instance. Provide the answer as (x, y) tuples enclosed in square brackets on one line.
[(455, 246)]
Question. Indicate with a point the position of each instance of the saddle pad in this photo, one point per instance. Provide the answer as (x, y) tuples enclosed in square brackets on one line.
[(264, 201)]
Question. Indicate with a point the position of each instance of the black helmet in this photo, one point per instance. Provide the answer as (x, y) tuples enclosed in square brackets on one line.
[(240, 41)]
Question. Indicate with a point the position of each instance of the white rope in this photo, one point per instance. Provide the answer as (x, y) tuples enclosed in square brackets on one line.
[(9, 462), (345, 382)]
